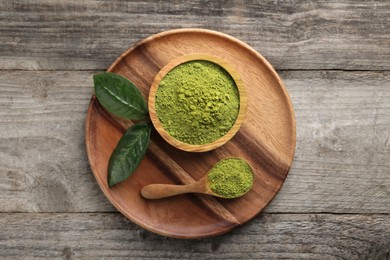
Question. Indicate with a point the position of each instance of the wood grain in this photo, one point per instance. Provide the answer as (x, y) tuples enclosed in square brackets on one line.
[(341, 163), (110, 235), (88, 35), (43, 164), (342, 159)]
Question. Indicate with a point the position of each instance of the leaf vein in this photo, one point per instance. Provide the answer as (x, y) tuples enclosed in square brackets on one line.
[(123, 101)]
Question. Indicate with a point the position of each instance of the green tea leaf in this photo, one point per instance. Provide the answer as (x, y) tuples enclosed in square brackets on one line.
[(119, 96), (128, 153)]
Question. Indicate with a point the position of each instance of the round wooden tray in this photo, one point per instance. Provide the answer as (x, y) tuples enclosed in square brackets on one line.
[(266, 140)]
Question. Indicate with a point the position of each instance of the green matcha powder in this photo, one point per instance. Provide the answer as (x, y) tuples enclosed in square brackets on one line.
[(231, 178), (197, 102)]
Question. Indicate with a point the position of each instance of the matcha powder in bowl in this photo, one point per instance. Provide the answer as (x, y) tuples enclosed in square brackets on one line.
[(197, 102)]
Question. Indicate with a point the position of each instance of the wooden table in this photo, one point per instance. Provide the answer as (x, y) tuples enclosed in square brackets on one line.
[(334, 58)]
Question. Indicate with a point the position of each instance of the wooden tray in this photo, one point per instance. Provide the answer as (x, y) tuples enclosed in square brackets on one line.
[(266, 140)]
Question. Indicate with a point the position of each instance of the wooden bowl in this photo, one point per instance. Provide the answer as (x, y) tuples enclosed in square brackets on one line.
[(202, 147)]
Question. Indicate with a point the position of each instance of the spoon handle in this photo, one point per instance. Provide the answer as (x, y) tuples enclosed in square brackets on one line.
[(159, 191)]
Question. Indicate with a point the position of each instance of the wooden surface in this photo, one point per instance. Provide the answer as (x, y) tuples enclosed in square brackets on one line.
[(278, 236), (266, 140), (334, 60)]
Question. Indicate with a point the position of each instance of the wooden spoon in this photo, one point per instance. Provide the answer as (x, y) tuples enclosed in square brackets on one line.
[(159, 191)]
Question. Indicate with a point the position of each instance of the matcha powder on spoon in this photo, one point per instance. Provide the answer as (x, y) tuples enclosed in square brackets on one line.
[(197, 102), (231, 178)]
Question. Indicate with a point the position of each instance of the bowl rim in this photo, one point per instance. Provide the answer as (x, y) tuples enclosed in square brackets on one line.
[(241, 92)]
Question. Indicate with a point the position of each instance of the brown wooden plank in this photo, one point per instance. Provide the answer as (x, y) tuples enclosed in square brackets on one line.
[(268, 236), (87, 35), (43, 161), (341, 161)]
